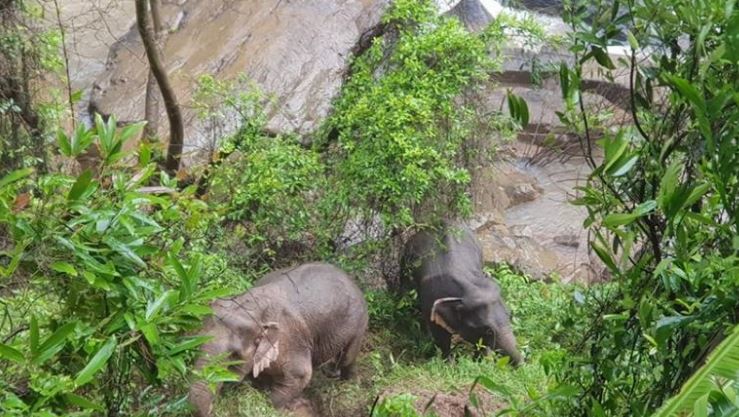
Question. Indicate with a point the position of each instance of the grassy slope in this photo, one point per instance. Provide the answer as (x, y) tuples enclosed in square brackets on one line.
[(398, 357)]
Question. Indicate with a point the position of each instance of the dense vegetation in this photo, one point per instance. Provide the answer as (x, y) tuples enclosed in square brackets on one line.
[(106, 271)]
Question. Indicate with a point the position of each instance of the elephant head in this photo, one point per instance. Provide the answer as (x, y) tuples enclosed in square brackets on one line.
[(236, 336), (478, 318)]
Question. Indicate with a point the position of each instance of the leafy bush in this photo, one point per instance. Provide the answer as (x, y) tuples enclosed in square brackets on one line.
[(539, 310), (400, 405), (95, 304), (396, 133), (30, 57), (662, 202), (711, 391), (270, 188)]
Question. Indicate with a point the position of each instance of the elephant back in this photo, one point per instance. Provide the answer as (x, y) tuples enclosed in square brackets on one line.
[(327, 301)]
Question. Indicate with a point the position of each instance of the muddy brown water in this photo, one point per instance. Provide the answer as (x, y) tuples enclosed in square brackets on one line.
[(552, 218)]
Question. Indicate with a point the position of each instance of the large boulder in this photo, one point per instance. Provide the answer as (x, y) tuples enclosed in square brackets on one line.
[(297, 52), (473, 15)]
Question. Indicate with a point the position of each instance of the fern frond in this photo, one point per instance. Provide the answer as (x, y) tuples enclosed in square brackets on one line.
[(722, 362)]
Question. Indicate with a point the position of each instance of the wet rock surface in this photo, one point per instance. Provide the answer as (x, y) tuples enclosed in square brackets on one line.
[(296, 51), (539, 231), (472, 14)]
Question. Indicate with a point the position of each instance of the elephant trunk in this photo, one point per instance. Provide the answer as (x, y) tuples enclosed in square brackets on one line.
[(505, 342), (201, 397)]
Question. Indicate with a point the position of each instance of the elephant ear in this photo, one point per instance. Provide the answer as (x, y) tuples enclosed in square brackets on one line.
[(443, 308), (268, 348)]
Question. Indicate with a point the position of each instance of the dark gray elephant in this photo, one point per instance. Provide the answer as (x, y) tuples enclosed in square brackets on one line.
[(293, 320), (456, 296)]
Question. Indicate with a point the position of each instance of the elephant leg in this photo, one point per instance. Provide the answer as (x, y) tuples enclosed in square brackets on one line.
[(443, 340), (289, 388), (347, 362)]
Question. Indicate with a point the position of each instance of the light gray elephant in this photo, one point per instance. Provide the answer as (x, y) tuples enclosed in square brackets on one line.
[(292, 321), (456, 296)]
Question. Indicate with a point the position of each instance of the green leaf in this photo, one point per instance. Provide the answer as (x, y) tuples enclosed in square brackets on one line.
[(668, 184), (64, 268), (614, 150), (144, 154), (125, 251), (196, 310), (687, 90), (602, 57), (491, 385), (188, 344), (15, 258), (97, 362), (154, 307), (722, 362), (53, 343), (604, 256), (15, 176), (81, 140), (179, 269), (632, 40), (129, 131), (624, 165), (150, 333), (34, 340), (645, 207), (80, 186), (63, 141), (620, 219), (665, 326), (700, 409), (11, 354), (186, 285), (564, 80), (76, 96), (82, 402), (696, 193), (518, 108)]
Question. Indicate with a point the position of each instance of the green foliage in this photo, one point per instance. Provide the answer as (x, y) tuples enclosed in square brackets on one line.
[(712, 389), (224, 103), (275, 188), (102, 305), (662, 203), (29, 105), (398, 131), (540, 310), (400, 405)]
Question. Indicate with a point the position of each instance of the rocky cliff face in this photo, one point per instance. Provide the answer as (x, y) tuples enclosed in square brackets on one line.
[(297, 51)]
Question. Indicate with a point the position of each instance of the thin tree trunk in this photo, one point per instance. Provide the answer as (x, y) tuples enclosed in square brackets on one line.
[(176, 128), (70, 99), (151, 105)]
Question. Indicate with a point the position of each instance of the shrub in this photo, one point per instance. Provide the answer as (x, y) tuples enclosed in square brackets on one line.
[(99, 298), (396, 134), (662, 203), (270, 188)]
